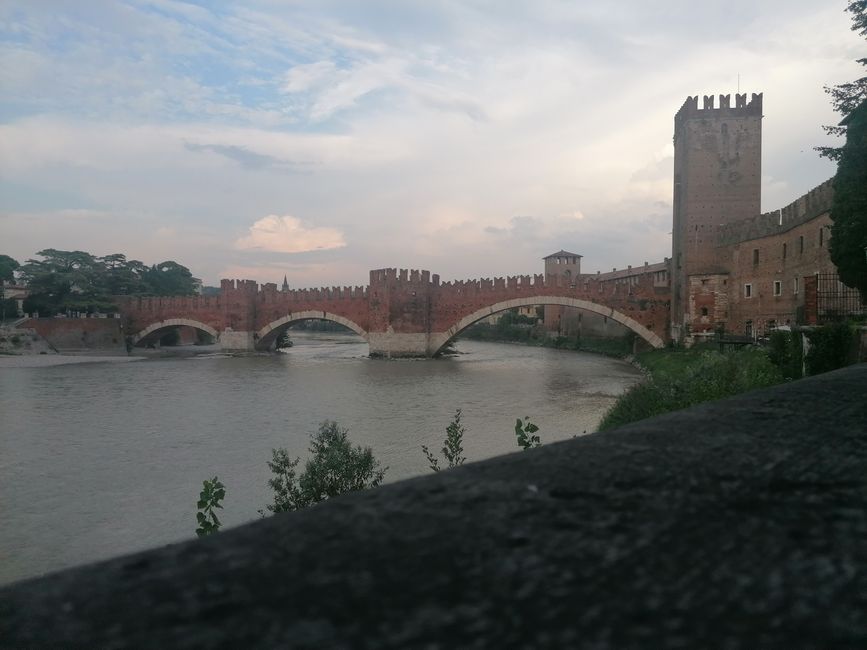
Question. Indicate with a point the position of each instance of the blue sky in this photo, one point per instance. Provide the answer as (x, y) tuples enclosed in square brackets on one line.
[(323, 139)]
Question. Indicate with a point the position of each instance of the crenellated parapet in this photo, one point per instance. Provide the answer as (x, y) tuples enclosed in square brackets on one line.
[(691, 109), (813, 204), (403, 312)]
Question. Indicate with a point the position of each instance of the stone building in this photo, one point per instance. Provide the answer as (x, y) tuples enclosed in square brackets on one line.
[(735, 269), (732, 268)]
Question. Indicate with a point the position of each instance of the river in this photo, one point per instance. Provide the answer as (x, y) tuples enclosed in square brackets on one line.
[(101, 459)]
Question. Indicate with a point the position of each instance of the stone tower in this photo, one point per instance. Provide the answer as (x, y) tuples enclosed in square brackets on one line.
[(567, 265), (717, 180)]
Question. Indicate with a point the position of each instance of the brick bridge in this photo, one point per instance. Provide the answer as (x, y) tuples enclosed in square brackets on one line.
[(400, 313)]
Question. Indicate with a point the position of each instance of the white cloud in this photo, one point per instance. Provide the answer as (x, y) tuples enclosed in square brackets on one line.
[(302, 78), (289, 234)]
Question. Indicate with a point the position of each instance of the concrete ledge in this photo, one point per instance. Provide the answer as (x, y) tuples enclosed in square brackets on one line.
[(737, 524)]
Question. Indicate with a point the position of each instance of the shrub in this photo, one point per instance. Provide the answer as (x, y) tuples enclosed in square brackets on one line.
[(786, 352), (713, 376), (335, 467), (212, 494), (830, 348), (453, 449)]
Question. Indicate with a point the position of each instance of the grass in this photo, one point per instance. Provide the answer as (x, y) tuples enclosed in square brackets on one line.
[(683, 378)]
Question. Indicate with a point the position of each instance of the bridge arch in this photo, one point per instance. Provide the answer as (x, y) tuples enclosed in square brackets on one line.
[(268, 334), (174, 322), (563, 301)]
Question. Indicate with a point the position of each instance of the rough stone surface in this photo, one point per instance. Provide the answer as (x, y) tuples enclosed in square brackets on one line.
[(735, 524)]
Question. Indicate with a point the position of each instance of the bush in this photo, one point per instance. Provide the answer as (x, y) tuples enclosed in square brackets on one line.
[(336, 467), (830, 348), (713, 375), (453, 449), (212, 494), (786, 352)]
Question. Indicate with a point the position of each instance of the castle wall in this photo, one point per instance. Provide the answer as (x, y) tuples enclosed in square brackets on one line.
[(774, 266)]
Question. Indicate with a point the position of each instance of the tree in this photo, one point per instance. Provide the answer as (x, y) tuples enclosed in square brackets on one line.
[(170, 279), (453, 449), (210, 497), (849, 208), (335, 468), (79, 281), (8, 267)]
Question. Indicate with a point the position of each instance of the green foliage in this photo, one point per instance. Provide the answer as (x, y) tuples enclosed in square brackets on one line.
[(525, 432), (830, 348), (79, 281), (849, 208), (213, 492), (335, 468), (452, 449), (707, 376), (8, 267), (786, 352)]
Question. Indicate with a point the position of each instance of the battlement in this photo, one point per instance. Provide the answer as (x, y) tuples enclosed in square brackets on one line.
[(243, 286), (391, 276), (691, 110), (813, 204)]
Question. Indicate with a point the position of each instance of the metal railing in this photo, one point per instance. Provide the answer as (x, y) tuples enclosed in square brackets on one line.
[(835, 301)]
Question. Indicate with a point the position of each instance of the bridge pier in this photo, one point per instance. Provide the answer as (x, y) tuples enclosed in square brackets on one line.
[(233, 341), (395, 345)]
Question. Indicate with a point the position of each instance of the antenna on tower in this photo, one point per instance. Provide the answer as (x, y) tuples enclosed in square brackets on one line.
[(739, 83)]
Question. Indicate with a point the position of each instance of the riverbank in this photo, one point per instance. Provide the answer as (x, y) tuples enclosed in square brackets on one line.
[(48, 360), (616, 348)]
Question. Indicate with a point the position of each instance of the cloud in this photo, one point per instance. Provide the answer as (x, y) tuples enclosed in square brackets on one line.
[(289, 234), (246, 158)]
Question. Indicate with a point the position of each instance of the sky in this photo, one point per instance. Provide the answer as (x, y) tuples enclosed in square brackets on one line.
[(320, 139)]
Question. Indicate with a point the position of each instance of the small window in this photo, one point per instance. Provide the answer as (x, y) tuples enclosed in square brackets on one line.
[(755, 256), (784, 251), (704, 311), (778, 287), (703, 283), (748, 291), (801, 244), (821, 236), (795, 284), (748, 328)]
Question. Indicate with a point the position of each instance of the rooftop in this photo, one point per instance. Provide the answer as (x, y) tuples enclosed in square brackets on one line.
[(561, 253)]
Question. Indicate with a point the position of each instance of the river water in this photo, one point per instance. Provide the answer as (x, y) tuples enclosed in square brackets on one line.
[(101, 459)]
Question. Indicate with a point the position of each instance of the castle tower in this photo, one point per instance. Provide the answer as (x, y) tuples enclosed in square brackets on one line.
[(567, 265), (717, 180)]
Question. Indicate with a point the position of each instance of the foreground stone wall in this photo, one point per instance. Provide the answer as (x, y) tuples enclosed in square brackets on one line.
[(738, 524)]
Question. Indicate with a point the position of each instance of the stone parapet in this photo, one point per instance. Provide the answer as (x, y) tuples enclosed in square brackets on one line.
[(738, 524)]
